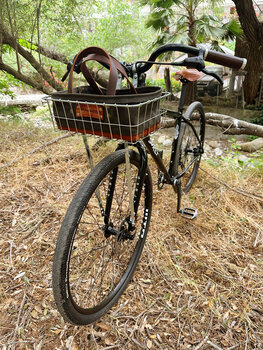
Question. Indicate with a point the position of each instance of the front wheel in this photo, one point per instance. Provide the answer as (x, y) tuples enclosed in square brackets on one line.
[(95, 256), (190, 145)]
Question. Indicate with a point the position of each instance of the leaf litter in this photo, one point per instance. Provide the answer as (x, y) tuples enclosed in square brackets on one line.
[(198, 284)]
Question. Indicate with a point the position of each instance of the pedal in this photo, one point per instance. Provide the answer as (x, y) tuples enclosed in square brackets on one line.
[(189, 213)]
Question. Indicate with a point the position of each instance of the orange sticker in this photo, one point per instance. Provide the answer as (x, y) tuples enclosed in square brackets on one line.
[(92, 111)]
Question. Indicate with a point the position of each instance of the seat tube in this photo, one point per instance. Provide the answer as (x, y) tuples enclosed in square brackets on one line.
[(182, 96)]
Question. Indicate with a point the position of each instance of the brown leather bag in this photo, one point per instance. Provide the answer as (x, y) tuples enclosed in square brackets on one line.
[(127, 114)]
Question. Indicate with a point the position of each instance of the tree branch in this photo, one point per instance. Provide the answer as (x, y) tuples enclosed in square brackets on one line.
[(50, 54), (25, 79), (11, 41), (14, 35)]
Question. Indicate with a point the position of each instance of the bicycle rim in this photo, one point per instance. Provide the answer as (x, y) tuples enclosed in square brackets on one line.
[(95, 266), (190, 145)]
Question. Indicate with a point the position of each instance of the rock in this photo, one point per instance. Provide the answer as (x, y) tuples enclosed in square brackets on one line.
[(214, 144), (31, 99), (253, 145), (167, 143), (207, 148), (218, 151), (242, 158), (161, 139)]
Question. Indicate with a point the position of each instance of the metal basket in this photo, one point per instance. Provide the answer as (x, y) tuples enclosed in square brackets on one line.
[(129, 122)]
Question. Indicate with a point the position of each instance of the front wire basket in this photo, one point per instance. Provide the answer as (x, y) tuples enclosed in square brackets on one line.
[(129, 122)]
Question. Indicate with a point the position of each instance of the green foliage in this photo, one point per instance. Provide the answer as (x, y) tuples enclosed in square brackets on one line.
[(237, 160), (252, 137), (176, 85), (234, 144), (118, 26), (68, 26), (258, 120), (232, 30), (12, 111), (7, 81), (189, 22)]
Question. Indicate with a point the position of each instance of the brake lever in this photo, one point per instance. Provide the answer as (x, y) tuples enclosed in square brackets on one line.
[(196, 62), (214, 75)]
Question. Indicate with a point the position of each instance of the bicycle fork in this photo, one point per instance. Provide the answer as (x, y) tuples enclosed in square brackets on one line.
[(133, 193)]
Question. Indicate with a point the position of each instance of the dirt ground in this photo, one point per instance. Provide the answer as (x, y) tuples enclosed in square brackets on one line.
[(198, 284)]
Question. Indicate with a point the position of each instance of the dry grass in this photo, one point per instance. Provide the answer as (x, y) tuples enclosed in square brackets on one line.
[(197, 286)]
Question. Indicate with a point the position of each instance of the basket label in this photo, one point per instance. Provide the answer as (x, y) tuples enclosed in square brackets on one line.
[(92, 111)]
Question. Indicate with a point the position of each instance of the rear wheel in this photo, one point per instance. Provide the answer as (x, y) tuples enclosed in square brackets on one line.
[(190, 145), (94, 260)]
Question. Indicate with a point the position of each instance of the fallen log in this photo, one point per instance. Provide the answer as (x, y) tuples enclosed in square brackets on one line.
[(229, 125), (22, 100)]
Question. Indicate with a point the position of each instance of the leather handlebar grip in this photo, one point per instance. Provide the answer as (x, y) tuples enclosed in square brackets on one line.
[(225, 60)]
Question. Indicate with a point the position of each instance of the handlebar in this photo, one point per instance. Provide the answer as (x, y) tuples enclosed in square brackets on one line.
[(199, 55), (209, 55)]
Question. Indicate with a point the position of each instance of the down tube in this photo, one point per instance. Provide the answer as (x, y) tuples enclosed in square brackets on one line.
[(156, 157)]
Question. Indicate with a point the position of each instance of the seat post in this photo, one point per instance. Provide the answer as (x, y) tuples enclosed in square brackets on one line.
[(183, 94)]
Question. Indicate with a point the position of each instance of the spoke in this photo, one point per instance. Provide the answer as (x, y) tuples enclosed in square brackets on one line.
[(95, 221), (119, 201), (97, 263), (88, 255)]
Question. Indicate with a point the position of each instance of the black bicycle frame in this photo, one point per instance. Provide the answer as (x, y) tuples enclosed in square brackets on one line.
[(169, 176)]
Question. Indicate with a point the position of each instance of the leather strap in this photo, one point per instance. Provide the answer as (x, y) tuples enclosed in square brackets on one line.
[(113, 77), (100, 55), (97, 50), (105, 62)]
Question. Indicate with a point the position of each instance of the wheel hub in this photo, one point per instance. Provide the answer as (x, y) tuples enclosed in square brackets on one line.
[(122, 233)]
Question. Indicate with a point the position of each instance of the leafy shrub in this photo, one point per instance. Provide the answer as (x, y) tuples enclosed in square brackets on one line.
[(7, 81), (10, 110), (259, 118), (176, 85)]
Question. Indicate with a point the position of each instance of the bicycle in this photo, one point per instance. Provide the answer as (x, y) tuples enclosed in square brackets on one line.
[(104, 230)]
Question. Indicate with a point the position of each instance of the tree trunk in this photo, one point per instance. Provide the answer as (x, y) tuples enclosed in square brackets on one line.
[(50, 54), (11, 41), (191, 89), (254, 68), (24, 78), (251, 47), (167, 81)]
